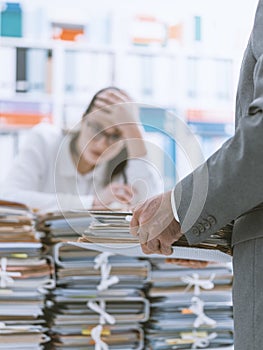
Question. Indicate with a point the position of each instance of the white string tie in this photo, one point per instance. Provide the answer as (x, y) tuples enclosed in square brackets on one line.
[(100, 309), (101, 259), (198, 283), (202, 343), (96, 336), (106, 280), (48, 284), (102, 262), (105, 284), (197, 308), (5, 276)]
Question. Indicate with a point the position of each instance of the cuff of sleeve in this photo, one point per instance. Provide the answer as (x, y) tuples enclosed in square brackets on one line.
[(174, 207)]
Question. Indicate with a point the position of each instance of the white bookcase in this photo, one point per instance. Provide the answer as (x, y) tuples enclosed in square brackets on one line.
[(191, 77)]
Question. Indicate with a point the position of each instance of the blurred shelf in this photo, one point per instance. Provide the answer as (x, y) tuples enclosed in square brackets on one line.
[(28, 97)]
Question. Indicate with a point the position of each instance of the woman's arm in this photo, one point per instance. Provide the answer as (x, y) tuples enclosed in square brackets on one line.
[(29, 173), (46, 201)]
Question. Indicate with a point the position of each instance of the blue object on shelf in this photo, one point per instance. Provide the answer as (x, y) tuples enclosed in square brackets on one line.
[(212, 129), (11, 20), (198, 28), (154, 120), (153, 117), (211, 135)]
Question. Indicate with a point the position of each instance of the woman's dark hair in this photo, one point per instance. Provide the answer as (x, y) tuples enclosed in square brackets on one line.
[(117, 165), (91, 104)]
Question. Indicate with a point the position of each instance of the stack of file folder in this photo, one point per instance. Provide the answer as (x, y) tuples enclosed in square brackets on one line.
[(190, 308), (63, 226), (75, 267), (25, 276), (168, 278), (110, 232), (181, 310), (72, 319), (79, 289)]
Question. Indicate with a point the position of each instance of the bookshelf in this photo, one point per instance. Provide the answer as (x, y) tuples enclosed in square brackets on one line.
[(161, 63), (70, 73)]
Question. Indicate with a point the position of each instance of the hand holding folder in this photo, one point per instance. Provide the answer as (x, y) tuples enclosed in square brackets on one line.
[(110, 231)]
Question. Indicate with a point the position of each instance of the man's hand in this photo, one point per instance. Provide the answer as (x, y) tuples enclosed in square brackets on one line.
[(154, 223)]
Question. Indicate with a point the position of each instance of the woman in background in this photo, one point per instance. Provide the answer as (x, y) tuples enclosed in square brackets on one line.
[(103, 165)]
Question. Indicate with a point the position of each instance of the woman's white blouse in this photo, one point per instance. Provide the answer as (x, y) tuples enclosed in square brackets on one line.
[(44, 176)]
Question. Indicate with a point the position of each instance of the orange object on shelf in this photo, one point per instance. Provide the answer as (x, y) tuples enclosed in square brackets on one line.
[(23, 119), (146, 41), (67, 34), (202, 115), (146, 18), (175, 31), (147, 30)]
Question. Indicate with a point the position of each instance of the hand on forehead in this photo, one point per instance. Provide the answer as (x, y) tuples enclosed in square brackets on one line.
[(108, 109), (110, 97), (114, 96)]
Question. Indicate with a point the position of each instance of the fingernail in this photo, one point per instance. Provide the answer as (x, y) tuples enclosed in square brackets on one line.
[(168, 251)]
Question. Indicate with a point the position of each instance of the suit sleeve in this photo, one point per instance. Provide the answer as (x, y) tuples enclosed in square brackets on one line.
[(230, 182)]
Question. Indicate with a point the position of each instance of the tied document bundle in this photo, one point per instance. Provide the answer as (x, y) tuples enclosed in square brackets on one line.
[(109, 232)]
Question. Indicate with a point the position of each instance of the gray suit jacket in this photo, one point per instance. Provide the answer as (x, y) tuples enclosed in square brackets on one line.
[(230, 184)]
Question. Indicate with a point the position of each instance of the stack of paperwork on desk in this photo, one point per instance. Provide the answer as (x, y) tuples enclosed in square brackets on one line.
[(190, 308), (63, 226), (75, 314), (25, 276), (75, 267), (110, 232), (98, 297)]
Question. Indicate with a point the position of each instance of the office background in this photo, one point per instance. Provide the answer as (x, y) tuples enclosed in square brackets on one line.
[(179, 56), (180, 61)]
